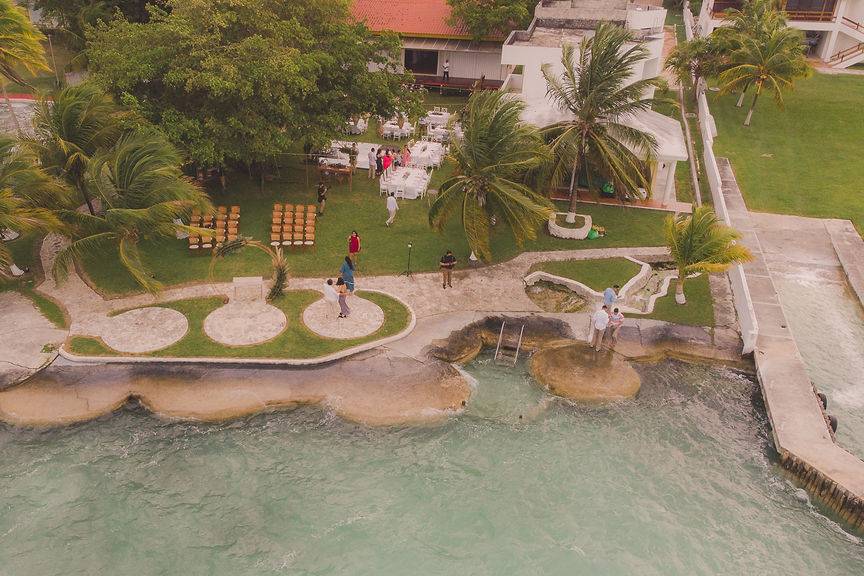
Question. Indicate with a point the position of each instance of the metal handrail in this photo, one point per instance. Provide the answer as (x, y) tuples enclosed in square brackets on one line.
[(519, 345), (844, 54), (851, 23), (500, 336)]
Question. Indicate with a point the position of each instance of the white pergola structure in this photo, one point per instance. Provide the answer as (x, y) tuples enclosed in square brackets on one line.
[(667, 132)]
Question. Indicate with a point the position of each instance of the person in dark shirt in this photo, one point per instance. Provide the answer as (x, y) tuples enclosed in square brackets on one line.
[(447, 263), (322, 197)]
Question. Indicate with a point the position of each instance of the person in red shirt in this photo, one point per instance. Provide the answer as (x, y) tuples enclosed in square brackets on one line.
[(386, 161), (354, 247)]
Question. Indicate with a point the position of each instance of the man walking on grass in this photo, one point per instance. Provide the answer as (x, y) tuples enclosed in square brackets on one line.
[(599, 323), (447, 263), (392, 207), (322, 197)]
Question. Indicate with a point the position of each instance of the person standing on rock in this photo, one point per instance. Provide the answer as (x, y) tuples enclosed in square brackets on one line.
[(610, 296), (616, 320), (599, 323), (342, 291), (346, 274)]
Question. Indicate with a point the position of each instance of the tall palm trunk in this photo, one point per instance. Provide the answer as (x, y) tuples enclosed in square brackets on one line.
[(82, 188), (740, 101), (679, 288), (753, 105), (11, 110), (571, 209)]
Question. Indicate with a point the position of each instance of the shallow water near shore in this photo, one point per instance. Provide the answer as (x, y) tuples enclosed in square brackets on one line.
[(827, 322), (680, 480)]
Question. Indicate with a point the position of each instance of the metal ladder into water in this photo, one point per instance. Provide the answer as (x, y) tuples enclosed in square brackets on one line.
[(505, 352)]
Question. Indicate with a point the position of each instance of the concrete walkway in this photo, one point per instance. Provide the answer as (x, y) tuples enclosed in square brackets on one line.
[(28, 340), (801, 434)]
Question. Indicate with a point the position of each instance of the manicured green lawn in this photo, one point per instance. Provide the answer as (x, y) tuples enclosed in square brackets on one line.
[(596, 274), (296, 341), (699, 310), (385, 249), (807, 159)]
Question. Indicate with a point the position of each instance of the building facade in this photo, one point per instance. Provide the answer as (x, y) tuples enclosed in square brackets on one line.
[(834, 28)]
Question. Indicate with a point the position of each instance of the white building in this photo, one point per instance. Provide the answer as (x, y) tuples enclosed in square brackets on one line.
[(557, 23), (834, 28)]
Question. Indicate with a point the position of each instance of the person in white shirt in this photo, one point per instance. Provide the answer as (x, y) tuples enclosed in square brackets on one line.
[(331, 296), (392, 207), (372, 163), (599, 323), (446, 68)]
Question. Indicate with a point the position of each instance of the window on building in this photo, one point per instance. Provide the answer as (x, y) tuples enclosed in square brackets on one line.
[(421, 61)]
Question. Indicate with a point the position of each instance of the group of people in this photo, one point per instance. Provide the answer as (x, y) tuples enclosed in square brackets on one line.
[(383, 161), (607, 319), (336, 293)]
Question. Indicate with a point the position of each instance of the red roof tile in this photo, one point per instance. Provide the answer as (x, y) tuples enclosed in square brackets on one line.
[(423, 18)]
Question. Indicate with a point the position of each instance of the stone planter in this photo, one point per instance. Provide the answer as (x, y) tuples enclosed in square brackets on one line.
[(572, 233)]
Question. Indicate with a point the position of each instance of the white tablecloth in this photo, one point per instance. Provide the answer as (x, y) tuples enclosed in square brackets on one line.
[(425, 154), (407, 183), (436, 119), (392, 129), (341, 159)]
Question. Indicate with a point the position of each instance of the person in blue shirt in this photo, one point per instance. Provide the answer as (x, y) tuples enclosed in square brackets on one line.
[(610, 296), (347, 273)]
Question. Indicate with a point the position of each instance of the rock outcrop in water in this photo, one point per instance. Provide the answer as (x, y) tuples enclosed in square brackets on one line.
[(575, 371)]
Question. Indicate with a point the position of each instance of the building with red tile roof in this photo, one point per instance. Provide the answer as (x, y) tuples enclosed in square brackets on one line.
[(417, 18)]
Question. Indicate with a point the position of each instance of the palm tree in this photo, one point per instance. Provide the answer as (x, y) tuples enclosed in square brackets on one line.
[(20, 49), (26, 195), (490, 163), (595, 92), (773, 62), (692, 60), (700, 243), (81, 121), (277, 260), (755, 19), (142, 191)]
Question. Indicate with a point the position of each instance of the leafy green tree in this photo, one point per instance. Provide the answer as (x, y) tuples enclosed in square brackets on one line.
[(74, 16), (490, 163), (489, 18), (699, 243), (595, 93), (27, 195), (692, 60), (772, 62), (244, 80), (20, 49), (81, 121), (143, 192)]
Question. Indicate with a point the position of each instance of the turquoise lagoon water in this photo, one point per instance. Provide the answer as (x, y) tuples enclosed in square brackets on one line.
[(680, 480)]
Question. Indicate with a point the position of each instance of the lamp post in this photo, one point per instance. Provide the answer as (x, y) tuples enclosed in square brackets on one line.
[(407, 272)]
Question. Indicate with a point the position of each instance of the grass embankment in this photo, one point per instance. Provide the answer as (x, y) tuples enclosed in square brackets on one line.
[(698, 311), (600, 274), (804, 160), (295, 342), (358, 208), (25, 253), (596, 274)]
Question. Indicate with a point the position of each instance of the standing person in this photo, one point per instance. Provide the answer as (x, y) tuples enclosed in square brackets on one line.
[(599, 323), (346, 274), (385, 164), (392, 207), (354, 249), (342, 292), (610, 296), (322, 197), (372, 163), (446, 68), (406, 156), (616, 320), (379, 161), (447, 263), (331, 296)]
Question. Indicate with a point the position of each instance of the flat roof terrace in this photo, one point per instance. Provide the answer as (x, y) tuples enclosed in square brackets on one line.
[(548, 37)]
